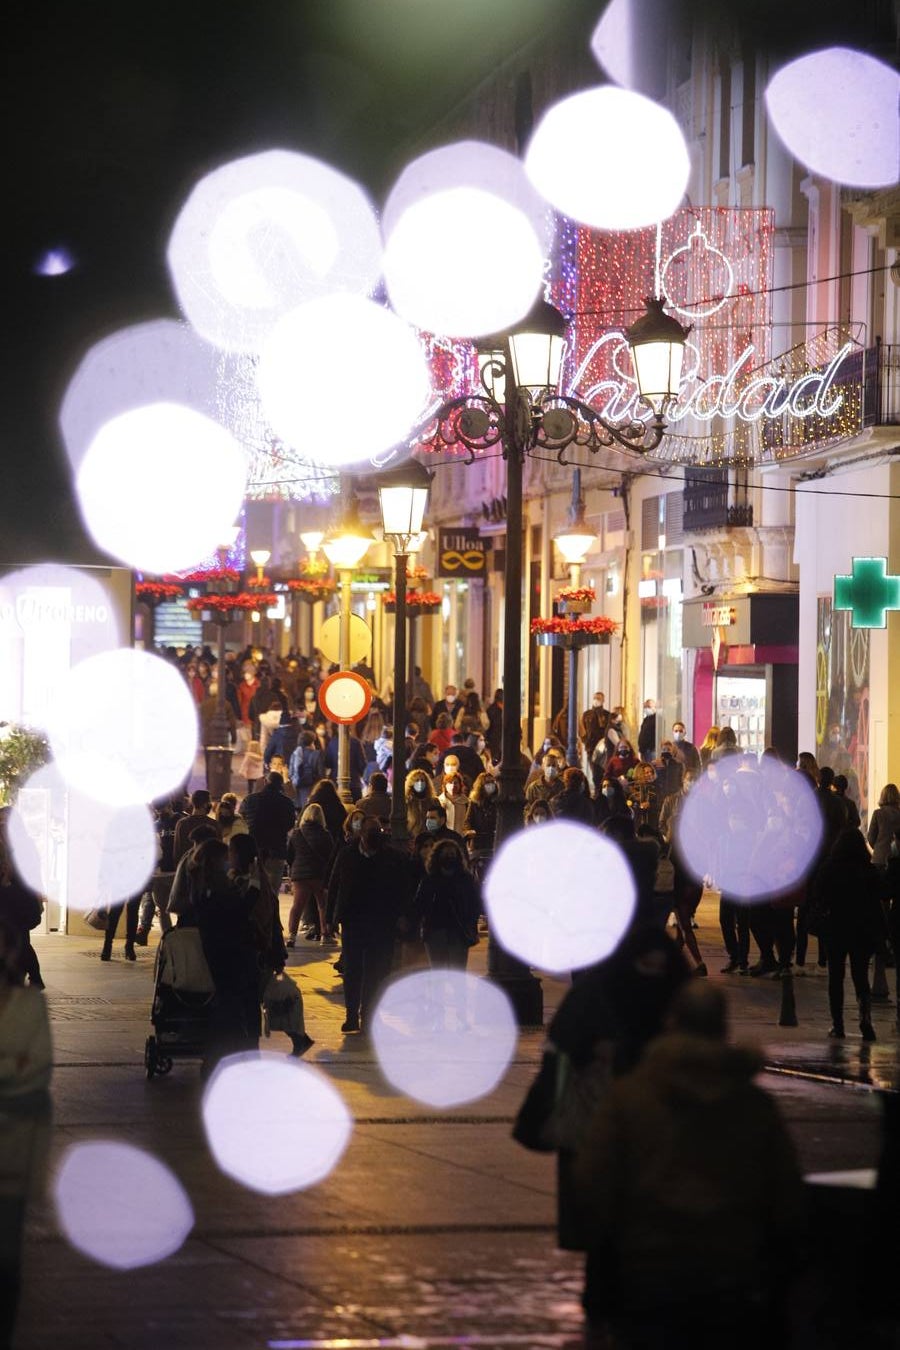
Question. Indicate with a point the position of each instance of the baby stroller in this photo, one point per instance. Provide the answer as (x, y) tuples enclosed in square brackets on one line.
[(183, 991)]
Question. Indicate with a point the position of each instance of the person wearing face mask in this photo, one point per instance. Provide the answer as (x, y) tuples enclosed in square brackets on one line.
[(367, 895), (448, 904), (550, 783), (574, 802), (537, 813), (436, 829), (448, 704), (420, 795), (594, 724), (615, 731), (685, 751), (246, 690), (455, 801), (481, 814), (611, 801), (536, 767)]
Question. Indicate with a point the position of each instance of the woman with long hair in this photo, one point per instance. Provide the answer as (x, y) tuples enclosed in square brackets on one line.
[(419, 794), (309, 851), (708, 745), (884, 824)]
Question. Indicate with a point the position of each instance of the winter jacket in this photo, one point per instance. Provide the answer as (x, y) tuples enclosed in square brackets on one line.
[(448, 903), (309, 850), (885, 820), (369, 894), (270, 817), (688, 1167)]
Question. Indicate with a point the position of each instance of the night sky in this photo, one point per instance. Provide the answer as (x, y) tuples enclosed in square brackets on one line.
[(113, 111)]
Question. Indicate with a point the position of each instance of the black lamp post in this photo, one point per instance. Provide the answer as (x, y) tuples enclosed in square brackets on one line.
[(402, 495), (521, 410), (219, 752)]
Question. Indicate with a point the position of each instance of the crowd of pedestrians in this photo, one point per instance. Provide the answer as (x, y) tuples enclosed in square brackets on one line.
[(664, 1103)]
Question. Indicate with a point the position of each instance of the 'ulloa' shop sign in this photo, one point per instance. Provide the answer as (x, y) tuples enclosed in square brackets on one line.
[(461, 553)]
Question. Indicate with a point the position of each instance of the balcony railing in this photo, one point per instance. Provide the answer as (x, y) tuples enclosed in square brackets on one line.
[(869, 380), (709, 503)]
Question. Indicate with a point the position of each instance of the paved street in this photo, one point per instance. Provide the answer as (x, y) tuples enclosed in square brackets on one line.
[(434, 1229)]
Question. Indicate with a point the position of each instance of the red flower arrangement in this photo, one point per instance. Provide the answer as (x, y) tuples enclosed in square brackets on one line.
[(259, 583), (414, 599), (224, 604), (598, 626), (157, 591), (577, 593), (417, 573), (321, 589), (211, 576)]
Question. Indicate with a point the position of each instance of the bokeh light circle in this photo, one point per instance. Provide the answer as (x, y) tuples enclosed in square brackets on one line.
[(609, 158), (303, 372), (443, 1036), (107, 852), (466, 236), (273, 1124), (160, 485), (124, 728), (50, 618), (559, 897), (836, 112), (753, 830), (119, 1205), (263, 234)]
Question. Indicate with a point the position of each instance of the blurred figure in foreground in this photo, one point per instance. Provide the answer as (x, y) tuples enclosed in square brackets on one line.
[(663, 1196)]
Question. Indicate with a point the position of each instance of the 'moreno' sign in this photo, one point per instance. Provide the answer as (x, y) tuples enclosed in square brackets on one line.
[(766, 396)]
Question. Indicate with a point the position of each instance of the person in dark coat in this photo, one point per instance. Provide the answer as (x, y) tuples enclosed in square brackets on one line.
[(326, 795), (493, 737), (847, 898), (574, 802), (223, 913), (447, 904), (270, 817), (20, 906), (309, 851), (662, 1196), (367, 896), (616, 1006), (377, 801), (647, 732), (611, 801), (481, 813)]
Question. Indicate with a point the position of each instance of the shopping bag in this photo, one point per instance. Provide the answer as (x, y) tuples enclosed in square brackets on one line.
[(97, 918), (283, 1004)]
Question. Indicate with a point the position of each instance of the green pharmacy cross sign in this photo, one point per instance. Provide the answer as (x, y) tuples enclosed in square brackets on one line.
[(868, 593)]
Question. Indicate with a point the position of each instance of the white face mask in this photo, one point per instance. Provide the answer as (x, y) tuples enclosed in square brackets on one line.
[(249, 676), (550, 772), (450, 770), (419, 787), (431, 825), (598, 702), (679, 736), (490, 789)]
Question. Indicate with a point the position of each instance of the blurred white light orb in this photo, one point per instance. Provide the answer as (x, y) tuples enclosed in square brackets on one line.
[(56, 262), (754, 830), (443, 1036), (836, 111), (108, 852), (119, 1205), (124, 728), (272, 1124), (466, 235), (609, 158), (50, 618), (163, 361), (160, 485), (303, 379), (263, 234), (560, 896)]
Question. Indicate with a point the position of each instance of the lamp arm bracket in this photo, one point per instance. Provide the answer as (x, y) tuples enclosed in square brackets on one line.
[(473, 421), (568, 421)]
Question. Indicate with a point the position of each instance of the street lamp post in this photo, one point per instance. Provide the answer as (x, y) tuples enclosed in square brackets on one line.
[(402, 495), (573, 543), (345, 547), (218, 752), (521, 410)]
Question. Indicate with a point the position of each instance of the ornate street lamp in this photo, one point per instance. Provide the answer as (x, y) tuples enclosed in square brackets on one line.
[(402, 496), (260, 556), (521, 410), (345, 547), (573, 543)]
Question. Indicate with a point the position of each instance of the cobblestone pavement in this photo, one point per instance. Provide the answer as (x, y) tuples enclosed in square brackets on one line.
[(435, 1229)]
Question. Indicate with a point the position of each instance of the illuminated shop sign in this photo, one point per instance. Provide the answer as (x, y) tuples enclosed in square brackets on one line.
[(718, 616)]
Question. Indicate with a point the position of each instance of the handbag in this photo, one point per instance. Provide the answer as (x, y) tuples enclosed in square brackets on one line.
[(561, 1101), (283, 1005), (98, 918)]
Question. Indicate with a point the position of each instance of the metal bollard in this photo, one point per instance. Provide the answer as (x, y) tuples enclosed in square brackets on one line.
[(787, 1017)]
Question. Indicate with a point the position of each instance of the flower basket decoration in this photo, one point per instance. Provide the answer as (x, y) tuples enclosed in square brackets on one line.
[(224, 608), (417, 602), (156, 592), (313, 567), (575, 632), (417, 573), (214, 576), (312, 589), (255, 583), (576, 599)]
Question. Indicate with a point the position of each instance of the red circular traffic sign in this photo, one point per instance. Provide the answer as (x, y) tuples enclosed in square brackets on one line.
[(345, 697)]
